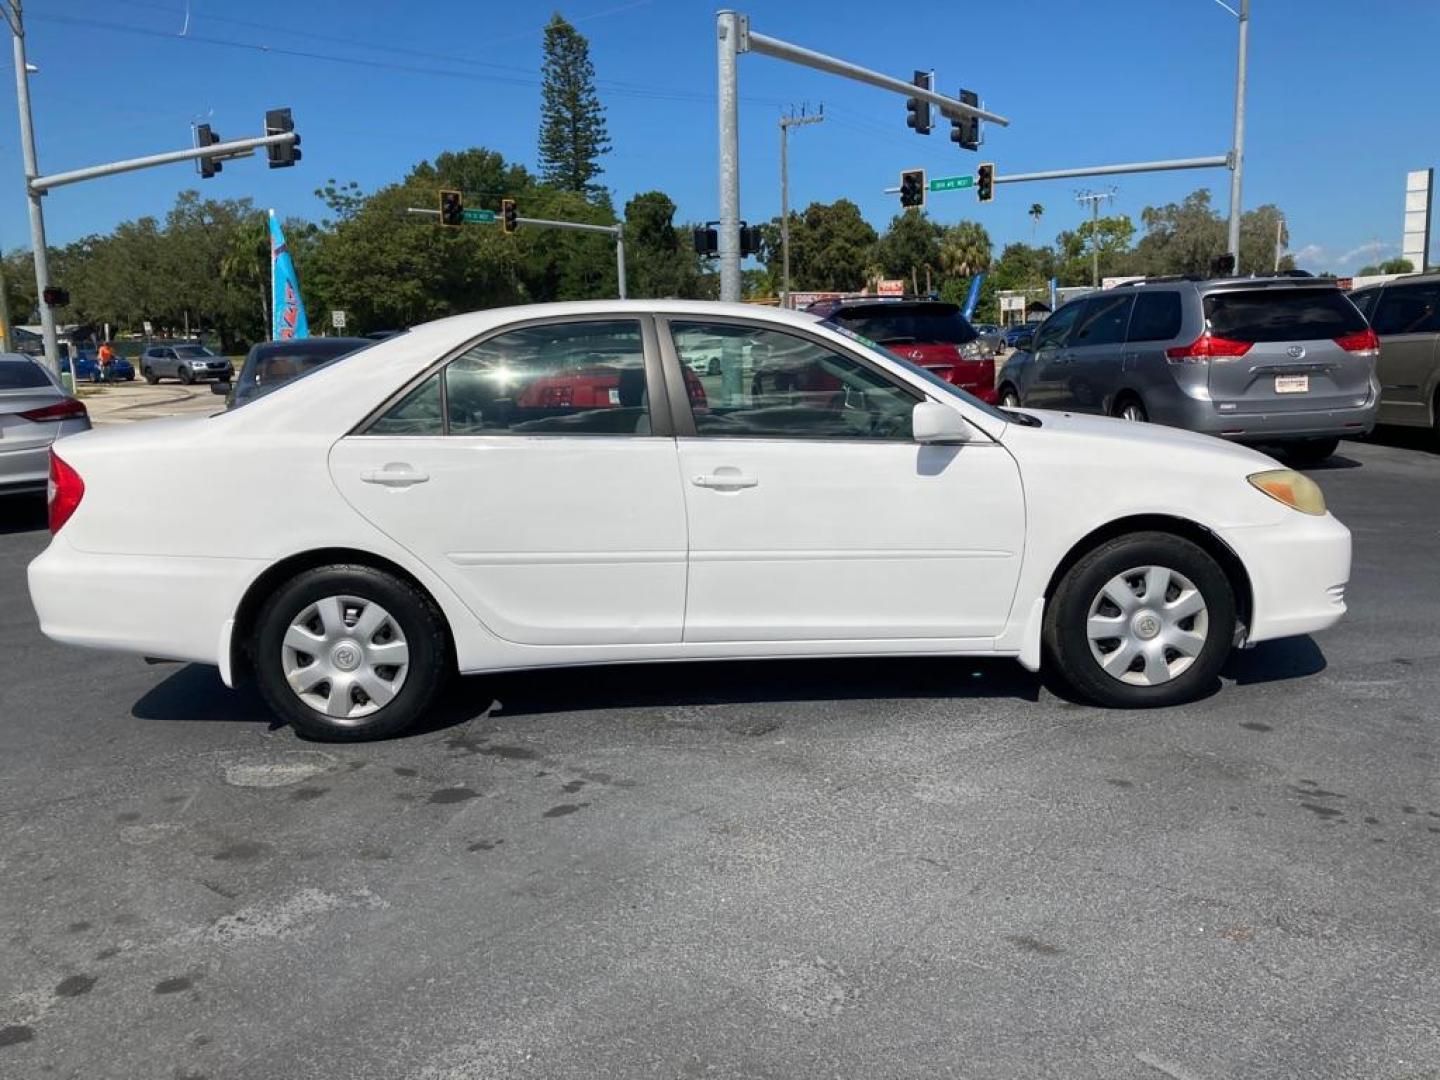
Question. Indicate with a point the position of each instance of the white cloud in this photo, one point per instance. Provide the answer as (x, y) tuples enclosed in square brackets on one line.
[(1367, 252), (1309, 255)]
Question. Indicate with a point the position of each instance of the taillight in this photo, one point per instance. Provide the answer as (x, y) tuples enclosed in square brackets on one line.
[(65, 490), (69, 409), (1205, 348), (1362, 343)]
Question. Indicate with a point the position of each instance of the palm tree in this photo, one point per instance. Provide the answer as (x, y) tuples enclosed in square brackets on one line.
[(964, 249), (1036, 213)]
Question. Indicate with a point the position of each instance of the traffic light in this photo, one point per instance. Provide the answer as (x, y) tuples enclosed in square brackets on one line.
[(509, 216), (282, 155), (54, 296), (707, 240), (205, 137), (751, 240), (912, 188), (452, 209), (965, 129), (985, 182), (1222, 265), (918, 108)]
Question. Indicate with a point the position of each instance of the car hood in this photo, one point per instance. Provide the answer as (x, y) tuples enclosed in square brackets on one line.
[(1132, 442)]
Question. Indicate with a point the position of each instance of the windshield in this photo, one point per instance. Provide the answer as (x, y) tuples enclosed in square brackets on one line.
[(192, 350), (904, 323), (271, 372), (931, 378)]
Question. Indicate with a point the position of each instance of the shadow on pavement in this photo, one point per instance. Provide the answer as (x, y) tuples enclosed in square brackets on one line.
[(1406, 438), (1331, 464), (1275, 661), (22, 514), (624, 686)]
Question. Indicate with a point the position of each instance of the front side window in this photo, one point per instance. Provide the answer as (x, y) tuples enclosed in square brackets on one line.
[(1103, 321), (771, 384), (1157, 317), (1408, 309), (1052, 334)]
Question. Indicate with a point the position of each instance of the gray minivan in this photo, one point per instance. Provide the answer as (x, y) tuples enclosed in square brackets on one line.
[(1258, 360), (1405, 315)]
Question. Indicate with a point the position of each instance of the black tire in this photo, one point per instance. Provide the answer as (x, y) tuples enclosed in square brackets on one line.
[(1067, 644), (185, 375), (1009, 397), (418, 619), (1131, 408), (150, 376), (1311, 451)]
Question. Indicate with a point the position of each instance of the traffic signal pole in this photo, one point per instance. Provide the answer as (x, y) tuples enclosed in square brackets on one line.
[(733, 37), (616, 231), (1237, 143)]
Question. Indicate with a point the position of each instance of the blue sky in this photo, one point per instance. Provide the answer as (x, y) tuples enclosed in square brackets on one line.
[(1332, 128)]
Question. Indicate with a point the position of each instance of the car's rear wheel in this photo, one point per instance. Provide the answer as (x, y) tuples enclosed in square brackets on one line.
[(1009, 399), (1133, 409), (150, 376), (346, 653), (1311, 451), (1144, 620)]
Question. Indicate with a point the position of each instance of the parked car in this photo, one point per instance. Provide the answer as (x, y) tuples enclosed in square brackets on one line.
[(381, 523), (87, 367), (187, 363), (1405, 315), (34, 412), (930, 333), (271, 364), (992, 337), (1255, 360), (1016, 331)]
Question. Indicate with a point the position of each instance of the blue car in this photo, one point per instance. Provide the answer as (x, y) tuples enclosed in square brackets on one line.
[(87, 368)]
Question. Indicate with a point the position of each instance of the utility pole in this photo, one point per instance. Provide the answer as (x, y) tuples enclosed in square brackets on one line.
[(1094, 198), (786, 123), (1279, 232), (7, 335), (1237, 144), (32, 170)]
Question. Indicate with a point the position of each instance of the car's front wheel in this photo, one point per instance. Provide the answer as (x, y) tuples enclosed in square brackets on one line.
[(1144, 620), (186, 376), (1009, 399), (349, 652)]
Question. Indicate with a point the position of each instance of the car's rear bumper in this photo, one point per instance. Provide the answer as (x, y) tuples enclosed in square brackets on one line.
[(170, 607), (1210, 418), (1298, 573)]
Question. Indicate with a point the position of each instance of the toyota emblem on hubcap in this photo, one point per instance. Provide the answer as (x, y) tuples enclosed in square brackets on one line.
[(347, 657), (1147, 625)]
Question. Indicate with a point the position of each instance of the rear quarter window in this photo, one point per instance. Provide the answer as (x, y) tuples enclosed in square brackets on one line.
[(1261, 315)]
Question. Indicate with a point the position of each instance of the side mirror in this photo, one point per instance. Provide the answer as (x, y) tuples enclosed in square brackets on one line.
[(932, 422), (1024, 341), (220, 387)]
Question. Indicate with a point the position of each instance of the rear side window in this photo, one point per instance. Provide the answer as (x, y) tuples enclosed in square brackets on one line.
[(18, 376), (1282, 315), (906, 324), (1157, 316), (1408, 309), (1103, 321)]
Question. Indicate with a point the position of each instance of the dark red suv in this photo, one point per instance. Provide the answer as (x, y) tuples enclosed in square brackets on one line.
[(929, 333)]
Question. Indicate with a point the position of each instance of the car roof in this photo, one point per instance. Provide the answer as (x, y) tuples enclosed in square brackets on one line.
[(327, 345)]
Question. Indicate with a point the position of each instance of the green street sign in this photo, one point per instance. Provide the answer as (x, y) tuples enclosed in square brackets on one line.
[(487, 217), (945, 183)]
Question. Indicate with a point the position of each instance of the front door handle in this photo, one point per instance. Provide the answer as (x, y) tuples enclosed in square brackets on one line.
[(725, 479), (1132, 356), (395, 475)]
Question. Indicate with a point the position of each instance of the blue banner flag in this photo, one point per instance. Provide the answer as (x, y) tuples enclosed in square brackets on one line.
[(972, 298), (287, 309)]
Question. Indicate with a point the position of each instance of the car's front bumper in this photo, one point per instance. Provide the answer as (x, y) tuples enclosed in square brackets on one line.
[(1298, 570)]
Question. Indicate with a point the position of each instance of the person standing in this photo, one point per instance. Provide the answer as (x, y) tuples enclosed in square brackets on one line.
[(106, 357)]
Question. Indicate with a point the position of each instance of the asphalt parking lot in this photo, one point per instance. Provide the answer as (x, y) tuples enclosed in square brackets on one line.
[(881, 869)]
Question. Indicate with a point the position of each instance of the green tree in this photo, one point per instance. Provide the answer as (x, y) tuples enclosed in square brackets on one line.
[(964, 249), (1036, 212), (1113, 236), (1389, 266), (572, 121), (911, 243), (831, 247), (659, 262)]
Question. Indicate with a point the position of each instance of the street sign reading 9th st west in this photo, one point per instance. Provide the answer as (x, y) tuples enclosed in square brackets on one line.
[(479, 217), (951, 183)]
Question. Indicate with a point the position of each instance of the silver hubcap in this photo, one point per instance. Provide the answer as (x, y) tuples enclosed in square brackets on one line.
[(345, 657), (1132, 412), (1147, 625), (1009, 400)]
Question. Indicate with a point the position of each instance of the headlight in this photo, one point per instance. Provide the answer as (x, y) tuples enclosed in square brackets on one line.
[(1295, 490)]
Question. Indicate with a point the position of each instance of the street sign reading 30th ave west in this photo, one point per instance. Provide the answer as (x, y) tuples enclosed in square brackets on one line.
[(479, 217), (951, 183)]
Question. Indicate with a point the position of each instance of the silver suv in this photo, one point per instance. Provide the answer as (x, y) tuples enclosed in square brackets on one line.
[(184, 362), (1257, 360), (1405, 315)]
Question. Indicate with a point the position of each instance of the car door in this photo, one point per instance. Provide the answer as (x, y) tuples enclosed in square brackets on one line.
[(814, 516), (535, 472), (1050, 384), (1096, 348), (1407, 321)]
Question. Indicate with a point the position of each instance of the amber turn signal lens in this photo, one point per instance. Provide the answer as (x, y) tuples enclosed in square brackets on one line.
[(1295, 490)]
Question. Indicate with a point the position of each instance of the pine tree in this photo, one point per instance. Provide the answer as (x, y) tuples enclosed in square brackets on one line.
[(572, 120)]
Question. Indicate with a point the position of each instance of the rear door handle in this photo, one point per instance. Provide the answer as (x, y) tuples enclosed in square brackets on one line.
[(725, 480), (1132, 356), (395, 476)]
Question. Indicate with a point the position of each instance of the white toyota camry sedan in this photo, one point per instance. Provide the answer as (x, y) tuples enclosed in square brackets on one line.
[(568, 484)]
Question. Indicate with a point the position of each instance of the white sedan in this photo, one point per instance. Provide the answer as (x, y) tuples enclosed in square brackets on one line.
[(554, 486)]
